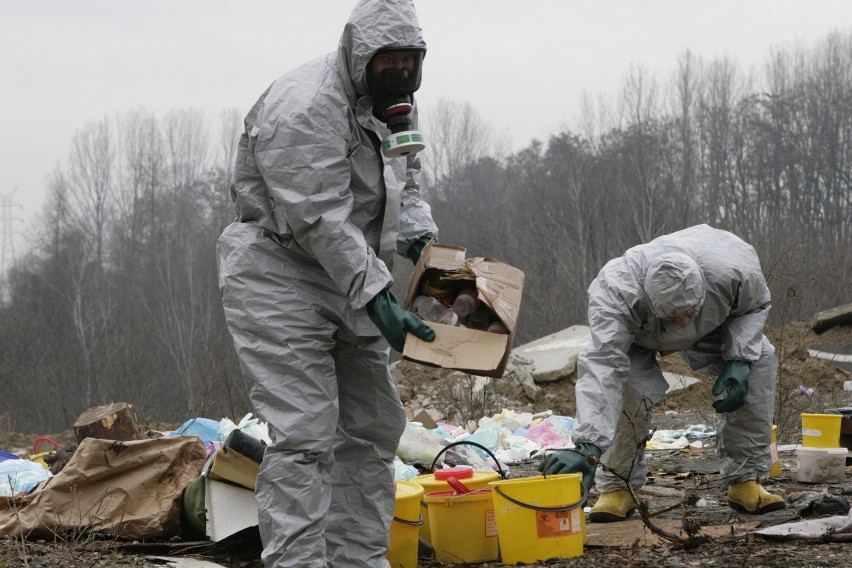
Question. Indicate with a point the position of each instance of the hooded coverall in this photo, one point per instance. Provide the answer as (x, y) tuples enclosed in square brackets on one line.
[(619, 380), (320, 214)]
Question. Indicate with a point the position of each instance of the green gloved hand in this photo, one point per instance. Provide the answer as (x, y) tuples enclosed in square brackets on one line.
[(573, 461), (416, 248), (735, 376), (394, 321)]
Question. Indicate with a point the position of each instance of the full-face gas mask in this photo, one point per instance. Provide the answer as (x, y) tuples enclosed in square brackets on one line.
[(393, 75)]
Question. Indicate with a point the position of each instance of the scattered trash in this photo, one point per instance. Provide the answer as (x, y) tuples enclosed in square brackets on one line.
[(805, 390), (680, 439), (417, 444), (825, 505), (837, 528)]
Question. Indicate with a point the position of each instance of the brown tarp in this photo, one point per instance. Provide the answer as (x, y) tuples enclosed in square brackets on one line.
[(124, 489)]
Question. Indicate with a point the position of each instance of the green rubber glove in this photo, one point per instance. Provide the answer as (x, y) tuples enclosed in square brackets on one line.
[(394, 321), (735, 376), (416, 248), (573, 461)]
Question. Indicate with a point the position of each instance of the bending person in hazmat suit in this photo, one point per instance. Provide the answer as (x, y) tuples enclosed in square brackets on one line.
[(699, 291), (304, 272)]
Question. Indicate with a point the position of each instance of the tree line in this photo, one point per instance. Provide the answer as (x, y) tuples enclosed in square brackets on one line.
[(118, 299)]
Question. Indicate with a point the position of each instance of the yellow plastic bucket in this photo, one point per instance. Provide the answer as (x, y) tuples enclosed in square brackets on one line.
[(821, 430), (402, 551), (39, 458), (478, 480), (775, 468), (463, 526), (539, 518)]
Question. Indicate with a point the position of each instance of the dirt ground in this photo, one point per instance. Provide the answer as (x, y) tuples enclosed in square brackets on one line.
[(675, 477)]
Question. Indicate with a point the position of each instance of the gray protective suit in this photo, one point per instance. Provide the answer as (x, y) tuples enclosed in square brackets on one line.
[(320, 214), (619, 378)]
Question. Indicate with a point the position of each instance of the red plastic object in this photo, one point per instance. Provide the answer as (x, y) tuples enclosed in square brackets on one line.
[(41, 439), (459, 487), (459, 472)]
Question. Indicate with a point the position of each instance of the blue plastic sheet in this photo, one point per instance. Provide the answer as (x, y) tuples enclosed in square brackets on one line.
[(7, 456), (204, 428)]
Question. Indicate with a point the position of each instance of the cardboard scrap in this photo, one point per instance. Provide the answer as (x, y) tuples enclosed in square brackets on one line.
[(458, 348), (230, 465), (500, 286)]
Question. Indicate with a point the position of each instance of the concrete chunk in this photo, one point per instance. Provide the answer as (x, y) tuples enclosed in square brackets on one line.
[(554, 356), (838, 315)]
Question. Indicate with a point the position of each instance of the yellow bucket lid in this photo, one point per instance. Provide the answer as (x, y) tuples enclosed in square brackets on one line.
[(405, 489)]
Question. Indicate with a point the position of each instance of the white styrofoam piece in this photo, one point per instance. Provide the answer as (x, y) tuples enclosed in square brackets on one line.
[(230, 509)]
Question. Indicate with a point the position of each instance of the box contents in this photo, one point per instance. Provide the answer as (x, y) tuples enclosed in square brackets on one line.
[(454, 302)]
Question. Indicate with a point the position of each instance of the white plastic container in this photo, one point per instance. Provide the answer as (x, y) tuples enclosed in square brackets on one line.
[(821, 465)]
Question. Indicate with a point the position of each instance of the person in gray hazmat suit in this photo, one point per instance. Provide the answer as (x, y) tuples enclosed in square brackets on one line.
[(326, 192), (700, 292)]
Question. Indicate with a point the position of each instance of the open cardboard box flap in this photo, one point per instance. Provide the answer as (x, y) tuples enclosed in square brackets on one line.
[(498, 285)]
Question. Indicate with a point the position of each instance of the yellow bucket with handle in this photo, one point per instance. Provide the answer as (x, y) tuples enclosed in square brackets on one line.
[(540, 517)]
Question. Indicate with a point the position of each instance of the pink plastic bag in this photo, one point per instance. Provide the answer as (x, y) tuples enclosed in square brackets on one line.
[(545, 434)]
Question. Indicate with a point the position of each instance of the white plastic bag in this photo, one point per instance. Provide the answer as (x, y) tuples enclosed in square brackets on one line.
[(418, 444), (251, 426)]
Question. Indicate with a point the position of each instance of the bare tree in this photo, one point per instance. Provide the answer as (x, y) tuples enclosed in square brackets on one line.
[(182, 309), (642, 182), (459, 137), (716, 115), (186, 139), (685, 157), (90, 181), (141, 179)]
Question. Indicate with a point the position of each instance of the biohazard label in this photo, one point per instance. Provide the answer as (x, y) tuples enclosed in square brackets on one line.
[(549, 524), (490, 523)]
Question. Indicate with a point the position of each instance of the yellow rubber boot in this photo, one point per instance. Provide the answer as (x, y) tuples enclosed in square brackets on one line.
[(751, 498), (612, 507)]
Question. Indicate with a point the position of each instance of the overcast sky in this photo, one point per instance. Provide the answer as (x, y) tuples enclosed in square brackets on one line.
[(523, 64)]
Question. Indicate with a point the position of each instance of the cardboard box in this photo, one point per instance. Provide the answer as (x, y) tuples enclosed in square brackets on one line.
[(232, 466), (499, 287)]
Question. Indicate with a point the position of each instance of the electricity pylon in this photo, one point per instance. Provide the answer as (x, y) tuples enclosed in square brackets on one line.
[(7, 235)]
